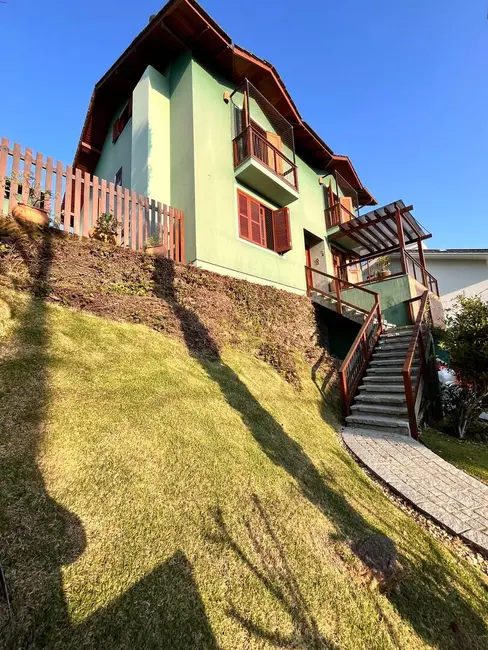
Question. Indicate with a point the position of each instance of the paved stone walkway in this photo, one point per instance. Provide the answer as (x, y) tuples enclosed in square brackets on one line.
[(447, 494)]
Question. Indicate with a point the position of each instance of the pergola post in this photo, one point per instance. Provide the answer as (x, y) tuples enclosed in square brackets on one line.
[(401, 237), (422, 262)]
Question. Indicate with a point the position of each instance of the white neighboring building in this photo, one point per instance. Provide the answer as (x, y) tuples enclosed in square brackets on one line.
[(458, 270)]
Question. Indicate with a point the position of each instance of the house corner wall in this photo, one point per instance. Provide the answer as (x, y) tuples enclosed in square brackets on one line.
[(151, 144), (182, 166)]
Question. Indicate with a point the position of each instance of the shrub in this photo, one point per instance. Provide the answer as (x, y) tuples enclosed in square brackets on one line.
[(466, 341)]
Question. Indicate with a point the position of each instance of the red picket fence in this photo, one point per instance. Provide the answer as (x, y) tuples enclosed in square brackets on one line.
[(74, 199)]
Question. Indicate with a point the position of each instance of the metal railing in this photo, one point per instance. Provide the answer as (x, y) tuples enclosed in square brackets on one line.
[(399, 265), (337, 214), (354, 365), (251, 144), (416, 353), (420, 273), (354, 296)]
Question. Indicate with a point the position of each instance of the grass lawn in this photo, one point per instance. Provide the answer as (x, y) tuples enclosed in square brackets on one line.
[(150, 499), (472, 457)]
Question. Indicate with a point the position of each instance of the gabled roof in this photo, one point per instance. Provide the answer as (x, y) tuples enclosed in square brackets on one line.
[(183, 25)]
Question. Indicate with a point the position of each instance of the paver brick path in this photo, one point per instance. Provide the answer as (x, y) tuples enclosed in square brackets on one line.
[(447, 494)]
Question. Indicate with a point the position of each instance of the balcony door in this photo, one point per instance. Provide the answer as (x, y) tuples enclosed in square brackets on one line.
[(338, 260)]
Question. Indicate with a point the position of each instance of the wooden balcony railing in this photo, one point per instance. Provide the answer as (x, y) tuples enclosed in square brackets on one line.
[(416, 353), (354, 365), (251, 144), (337, 214), (73, 200)]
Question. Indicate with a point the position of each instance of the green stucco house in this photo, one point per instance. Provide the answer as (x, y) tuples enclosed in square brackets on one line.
[(189, 118)]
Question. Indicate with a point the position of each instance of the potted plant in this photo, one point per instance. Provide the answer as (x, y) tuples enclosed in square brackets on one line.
[(34, 211), (154, 246), (106, 228), (383, 267)]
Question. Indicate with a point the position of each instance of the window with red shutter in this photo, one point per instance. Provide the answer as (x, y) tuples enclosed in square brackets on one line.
[(243, 216), (120, 123), (260, 225), (115, 131), (256, 230), (281, 230)]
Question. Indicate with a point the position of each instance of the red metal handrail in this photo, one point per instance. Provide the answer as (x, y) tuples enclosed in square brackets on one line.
[(251, 144), (354, 365), (336, 214), (426, 278), (416, 347)]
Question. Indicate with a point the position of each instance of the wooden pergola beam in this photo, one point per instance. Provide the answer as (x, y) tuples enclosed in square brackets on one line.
[(368, 224)]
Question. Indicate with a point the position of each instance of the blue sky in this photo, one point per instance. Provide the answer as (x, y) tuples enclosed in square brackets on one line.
[(401, 86)]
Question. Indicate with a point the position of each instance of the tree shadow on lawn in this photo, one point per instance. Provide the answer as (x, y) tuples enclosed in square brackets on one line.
[(425, 596), (267, 562), (38, 536)]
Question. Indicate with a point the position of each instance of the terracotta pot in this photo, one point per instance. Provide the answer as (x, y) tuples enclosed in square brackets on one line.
[(29, 213), (158, 251)]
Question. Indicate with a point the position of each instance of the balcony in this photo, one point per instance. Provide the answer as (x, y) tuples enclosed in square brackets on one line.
[(337, 214), (263, 146), (264, 168), (401, 263)]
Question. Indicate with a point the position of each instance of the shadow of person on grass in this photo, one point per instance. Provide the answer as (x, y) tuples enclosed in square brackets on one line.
[(416, 589), (162, 611), (37, 535)]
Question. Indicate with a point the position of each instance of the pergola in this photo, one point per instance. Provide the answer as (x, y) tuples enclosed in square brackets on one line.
[(384, 231), (381, 231)]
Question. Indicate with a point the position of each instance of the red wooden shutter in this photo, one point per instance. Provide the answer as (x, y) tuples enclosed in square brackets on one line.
[(256, 233), (281, 230), (243, 216)]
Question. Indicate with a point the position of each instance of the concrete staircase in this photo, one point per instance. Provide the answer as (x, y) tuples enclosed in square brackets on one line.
[(347, 311), (380, 403)]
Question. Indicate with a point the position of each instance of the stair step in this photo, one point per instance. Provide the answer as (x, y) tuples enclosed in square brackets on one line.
[(375, 379), (388, 361), (396, 334), (369, 397), (383, 388), (381, 353), (390, 410), (393, 425), (385, 371), (394, 344)]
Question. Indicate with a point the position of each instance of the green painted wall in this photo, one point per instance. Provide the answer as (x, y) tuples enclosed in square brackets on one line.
[(218, 246), (392, 291), (151, 147), (182, 149), (118, 154), (178, 149)]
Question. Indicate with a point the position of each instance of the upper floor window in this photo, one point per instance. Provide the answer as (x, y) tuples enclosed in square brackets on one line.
[(118, 178), (263, 226), (121, 121)]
